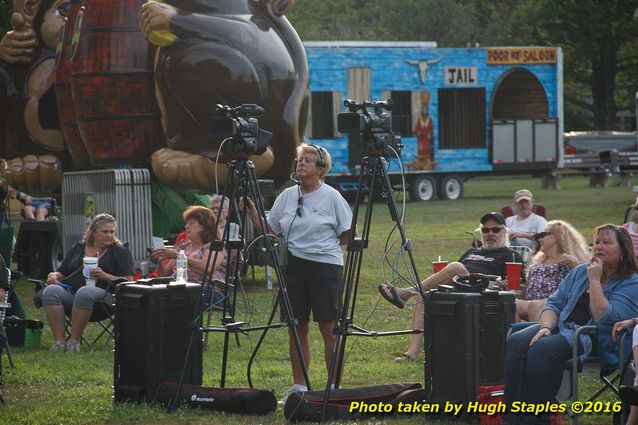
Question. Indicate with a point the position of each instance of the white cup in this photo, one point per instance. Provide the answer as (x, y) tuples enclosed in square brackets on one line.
[(90, 263)]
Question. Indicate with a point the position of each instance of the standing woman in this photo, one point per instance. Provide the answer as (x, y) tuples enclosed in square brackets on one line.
[(315, 220), (605, 290), (561, 249), (67, 286)]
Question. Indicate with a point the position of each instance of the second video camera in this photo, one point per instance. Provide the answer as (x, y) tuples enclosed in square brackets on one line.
[(241, 125), (374, 127)]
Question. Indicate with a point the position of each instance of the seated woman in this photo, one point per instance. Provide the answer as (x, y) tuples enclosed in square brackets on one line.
[(561, 249), (200, 227), (605, 290), (67, 286)]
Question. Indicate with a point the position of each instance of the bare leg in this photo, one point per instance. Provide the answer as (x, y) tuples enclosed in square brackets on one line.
[(444, 276), (522, 310), (55, 317), (297, 371), (326, 329), (79, 319), (632, 419), (414, 349), (28, 212), (41, 214)]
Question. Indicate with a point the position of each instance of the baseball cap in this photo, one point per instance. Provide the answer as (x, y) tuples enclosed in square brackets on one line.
[(523, 194), (493, 216)]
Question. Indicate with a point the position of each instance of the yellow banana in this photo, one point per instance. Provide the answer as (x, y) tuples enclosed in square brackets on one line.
[(161, 37)]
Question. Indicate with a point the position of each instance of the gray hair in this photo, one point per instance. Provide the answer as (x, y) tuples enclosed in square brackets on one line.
[(221, 200)]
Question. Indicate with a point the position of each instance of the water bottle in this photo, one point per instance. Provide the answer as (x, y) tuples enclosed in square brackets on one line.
[(181, 266)]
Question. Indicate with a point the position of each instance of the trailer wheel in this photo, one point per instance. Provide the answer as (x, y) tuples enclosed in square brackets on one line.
[(423, 188), (451, 187)]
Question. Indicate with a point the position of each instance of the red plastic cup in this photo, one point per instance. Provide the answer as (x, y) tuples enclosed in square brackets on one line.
[(438, 265), (514, 275)]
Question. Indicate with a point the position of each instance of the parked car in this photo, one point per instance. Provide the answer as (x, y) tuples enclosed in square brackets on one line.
[(587, 142)]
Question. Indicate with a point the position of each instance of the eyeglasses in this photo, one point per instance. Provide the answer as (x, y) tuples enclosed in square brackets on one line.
[(299, 206), (541, 235), (491, 229)]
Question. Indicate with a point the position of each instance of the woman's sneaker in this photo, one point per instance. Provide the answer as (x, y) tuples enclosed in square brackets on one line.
[(72, 346), (296, 388), (58, 346)]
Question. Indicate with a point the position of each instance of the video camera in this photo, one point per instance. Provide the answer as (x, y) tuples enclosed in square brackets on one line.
[(375, 127), (239, 123)]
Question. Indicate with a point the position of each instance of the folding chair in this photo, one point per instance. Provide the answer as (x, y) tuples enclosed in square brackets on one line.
[(510, 210), (591, 367), (525, 252), (102, 315), (608, 376)]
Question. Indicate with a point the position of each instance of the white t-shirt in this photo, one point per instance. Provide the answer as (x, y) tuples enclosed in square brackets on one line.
[(315, 235), (532, 224)]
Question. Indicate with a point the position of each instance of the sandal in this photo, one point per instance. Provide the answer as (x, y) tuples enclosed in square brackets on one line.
[(393, 296), (405, 357)]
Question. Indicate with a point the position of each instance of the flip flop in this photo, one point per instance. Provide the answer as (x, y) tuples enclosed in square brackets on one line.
[(393, 297)]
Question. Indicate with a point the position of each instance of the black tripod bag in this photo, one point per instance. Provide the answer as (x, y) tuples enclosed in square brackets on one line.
[(232, 400), (307, 406)]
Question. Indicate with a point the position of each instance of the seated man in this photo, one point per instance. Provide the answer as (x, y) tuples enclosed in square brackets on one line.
[(490, 259), (525, 224)]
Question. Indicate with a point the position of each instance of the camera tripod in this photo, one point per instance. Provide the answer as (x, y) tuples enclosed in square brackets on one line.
[(373, 172), (241, 182)]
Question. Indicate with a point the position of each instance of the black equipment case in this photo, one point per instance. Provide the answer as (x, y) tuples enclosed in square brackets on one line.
[(152, 331), (465, 342), (451, 336), (498, 310)]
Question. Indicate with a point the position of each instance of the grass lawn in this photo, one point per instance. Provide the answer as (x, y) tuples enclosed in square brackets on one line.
[(76, 388)]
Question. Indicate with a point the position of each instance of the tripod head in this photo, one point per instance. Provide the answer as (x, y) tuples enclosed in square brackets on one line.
[(241, 125), (374, 127)]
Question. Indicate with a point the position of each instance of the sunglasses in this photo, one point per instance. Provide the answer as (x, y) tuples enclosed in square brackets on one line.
[(541, 235), (299, 206), (491, 229)]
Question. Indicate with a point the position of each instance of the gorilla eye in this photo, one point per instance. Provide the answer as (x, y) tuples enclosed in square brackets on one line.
[(63, 9)]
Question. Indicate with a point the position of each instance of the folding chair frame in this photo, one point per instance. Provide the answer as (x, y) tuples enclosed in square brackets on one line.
[(106, 327), (609, 383)]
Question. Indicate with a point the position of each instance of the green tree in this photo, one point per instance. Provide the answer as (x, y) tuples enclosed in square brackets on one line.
[(599, 41)]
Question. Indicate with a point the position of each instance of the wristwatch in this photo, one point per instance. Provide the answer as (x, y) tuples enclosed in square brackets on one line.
[(634, 321)]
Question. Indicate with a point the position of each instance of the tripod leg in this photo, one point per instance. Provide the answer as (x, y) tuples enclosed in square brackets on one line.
[(259, 342)]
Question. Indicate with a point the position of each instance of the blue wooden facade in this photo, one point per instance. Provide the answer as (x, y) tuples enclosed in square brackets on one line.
[(381, 69)]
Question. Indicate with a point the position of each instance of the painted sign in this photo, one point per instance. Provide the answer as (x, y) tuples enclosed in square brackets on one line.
[(455, 75), (514, 55)]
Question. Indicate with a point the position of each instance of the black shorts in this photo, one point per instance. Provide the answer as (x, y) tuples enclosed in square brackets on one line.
[(312, 286)]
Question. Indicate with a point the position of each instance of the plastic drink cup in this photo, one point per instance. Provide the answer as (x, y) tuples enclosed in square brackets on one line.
[(514, 275), (90, 263), (438, 265)]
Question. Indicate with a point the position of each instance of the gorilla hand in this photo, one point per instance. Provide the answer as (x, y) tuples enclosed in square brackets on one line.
[(155, 21), (17, 46)]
